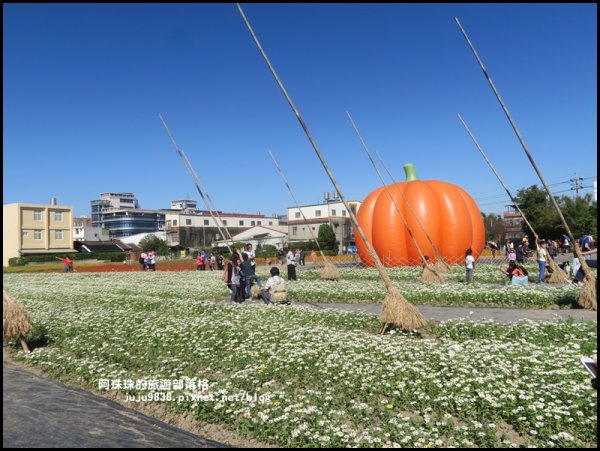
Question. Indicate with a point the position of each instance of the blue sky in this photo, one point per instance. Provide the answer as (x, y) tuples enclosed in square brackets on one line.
[(84, 83)]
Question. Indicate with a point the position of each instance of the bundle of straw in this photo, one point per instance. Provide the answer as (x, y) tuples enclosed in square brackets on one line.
[(16, 321)]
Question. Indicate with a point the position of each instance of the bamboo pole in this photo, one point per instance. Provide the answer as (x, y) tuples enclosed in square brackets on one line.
[(589, 278), (198, 183), (561, 275), (332, 273), (439, 277), (397, 309)]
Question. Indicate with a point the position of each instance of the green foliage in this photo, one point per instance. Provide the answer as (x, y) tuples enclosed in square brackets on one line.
[(45, 258), (266, 251), (494, 227), (153, 242), (305, 245), (17, 261), (327, 239), (579, 213)]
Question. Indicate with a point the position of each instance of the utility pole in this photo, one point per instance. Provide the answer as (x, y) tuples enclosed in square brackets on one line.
[(576, 184)]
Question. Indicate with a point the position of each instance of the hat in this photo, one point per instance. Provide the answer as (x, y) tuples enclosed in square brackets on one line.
[(543, 241), (525, 238)]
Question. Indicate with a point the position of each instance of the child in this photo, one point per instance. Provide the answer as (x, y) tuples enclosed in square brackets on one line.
[(236, 278), (512, 255), (470, 264), (275, 289)]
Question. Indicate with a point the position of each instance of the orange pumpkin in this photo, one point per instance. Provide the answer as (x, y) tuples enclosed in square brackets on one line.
[(447, 212)]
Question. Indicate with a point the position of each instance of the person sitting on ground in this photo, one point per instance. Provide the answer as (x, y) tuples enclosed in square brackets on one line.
[(579, 273), (275, 289), (515, 270)]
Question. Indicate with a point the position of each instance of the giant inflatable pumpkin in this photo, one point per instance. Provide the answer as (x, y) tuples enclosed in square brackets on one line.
[(447, 212)]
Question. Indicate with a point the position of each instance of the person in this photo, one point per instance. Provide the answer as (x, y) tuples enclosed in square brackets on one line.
[(220, 262), (542, 255), (523, 251), (203, 261), (67, 263), (280, 256), (426, 262), (149, 261), (515, 271), (552, 249), (250, 253), (198, 261), (566, 244), (142, 260), (274, 289), (580, 274), (301, 261), (128, 257), (249, 272), (313, 256), (231, 276), (585, 244), (469, 264), (493, 247), (512, 255), (153, 259), (212, 262), (291, 264), (297, 256), (509, 246)]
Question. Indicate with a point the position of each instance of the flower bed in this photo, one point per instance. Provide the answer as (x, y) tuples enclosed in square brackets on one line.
[(310, 377)]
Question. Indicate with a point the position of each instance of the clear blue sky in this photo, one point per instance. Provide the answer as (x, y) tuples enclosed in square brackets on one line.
[(84, 83)]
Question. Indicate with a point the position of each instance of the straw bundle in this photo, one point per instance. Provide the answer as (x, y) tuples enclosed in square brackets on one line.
[(442, 267), (587, 294), (557, 275), (431, 275), (330, 272), (16, 321), (396, 307)]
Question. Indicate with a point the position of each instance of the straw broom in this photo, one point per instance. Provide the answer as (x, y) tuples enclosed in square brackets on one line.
[(16, 321), (396, 309), (587, 296), (557, 275), (330, 272), (202, 191), (429, 275)]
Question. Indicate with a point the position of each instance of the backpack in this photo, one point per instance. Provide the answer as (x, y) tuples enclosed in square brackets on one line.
[(279, 290)]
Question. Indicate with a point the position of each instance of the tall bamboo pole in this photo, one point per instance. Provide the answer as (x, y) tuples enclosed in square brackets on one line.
[(412, 317), (197, 182), (588, 274), (333, 272), (387, 189), (560, 276)]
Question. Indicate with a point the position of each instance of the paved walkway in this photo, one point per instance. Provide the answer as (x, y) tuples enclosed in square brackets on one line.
[(501, 315), (40, 413)]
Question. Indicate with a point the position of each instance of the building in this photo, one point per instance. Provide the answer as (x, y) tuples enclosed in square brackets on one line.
[(199, 229), (36, 229), (513, 223), (333, 213), (121, 215), (259, 236), (83, 230)]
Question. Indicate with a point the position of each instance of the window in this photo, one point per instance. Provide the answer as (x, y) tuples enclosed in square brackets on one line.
[(58, 216), (297, 215), (188, 222), (24, 234), (58, 234), (206, 222), (317, 213), (313, 228), (270, 222), (37, 215), (259, 222), (252, 223), (174, 222), (37, 234), (333, 212), (294, 231), (241, 222), (224, 222), (343, 212)]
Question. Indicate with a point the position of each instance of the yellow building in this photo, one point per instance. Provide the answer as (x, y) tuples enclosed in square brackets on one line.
[(36, 229)]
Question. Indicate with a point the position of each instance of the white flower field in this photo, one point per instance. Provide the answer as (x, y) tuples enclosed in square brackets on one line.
[(302, 377)]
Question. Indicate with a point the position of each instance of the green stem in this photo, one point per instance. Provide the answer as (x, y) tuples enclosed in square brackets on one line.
[(411, 173)]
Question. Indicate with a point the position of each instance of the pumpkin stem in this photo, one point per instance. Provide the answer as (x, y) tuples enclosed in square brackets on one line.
[(411, 173)]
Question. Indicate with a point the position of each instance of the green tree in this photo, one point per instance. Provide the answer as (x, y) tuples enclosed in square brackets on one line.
[(153, 242), (494, 227), (326, 238), (579, 213)]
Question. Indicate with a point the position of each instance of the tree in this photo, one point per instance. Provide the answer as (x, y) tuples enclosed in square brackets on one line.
[(153, 242), (327, 239), (579, 213), (494, 227)]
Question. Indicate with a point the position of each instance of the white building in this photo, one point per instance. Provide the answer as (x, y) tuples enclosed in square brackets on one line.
[(83, 230), (333, 213), (259, 237)]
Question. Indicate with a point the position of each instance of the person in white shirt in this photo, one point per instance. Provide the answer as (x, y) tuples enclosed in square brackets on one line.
[(470, 264), (542, 255), (275, 289), (291, 264), (250, 254)]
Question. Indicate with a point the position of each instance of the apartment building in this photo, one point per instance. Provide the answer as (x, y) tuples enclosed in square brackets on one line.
[(36, 229), (332, 212)]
